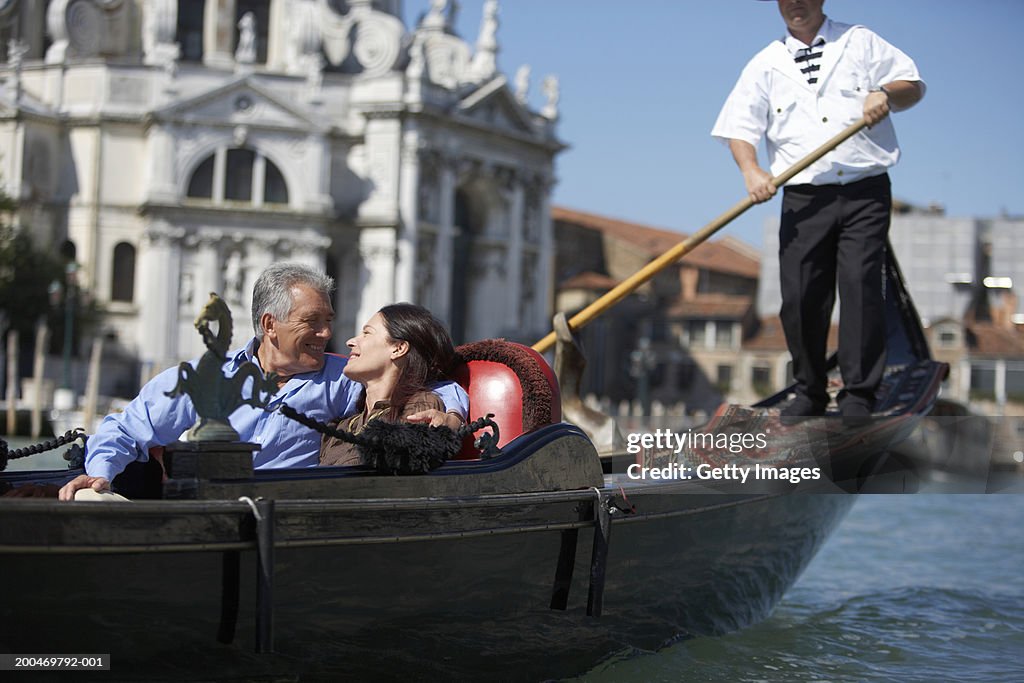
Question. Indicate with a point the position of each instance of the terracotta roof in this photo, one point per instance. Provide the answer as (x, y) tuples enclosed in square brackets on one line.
[(588, 280), (712, 306), (987, 339), (770, 337), (720, 255)]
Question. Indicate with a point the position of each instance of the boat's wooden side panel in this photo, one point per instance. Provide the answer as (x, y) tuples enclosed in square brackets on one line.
[(43, 526), (375, 610), (565, 462)]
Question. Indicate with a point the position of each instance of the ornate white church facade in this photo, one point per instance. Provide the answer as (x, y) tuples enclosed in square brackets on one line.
[(176, 148)]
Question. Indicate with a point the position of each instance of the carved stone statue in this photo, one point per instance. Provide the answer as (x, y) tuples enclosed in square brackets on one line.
[(550, 88), (246, 52), (522, 82), (485, 62)]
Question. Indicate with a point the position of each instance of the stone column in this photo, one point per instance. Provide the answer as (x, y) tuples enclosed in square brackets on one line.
[(546, 266), (445, 233), (1000, 387), (162, 183), (383, 140), (379, 252), (220, 162), (159, 276), (317, 197), (408, 236), (514, 254)]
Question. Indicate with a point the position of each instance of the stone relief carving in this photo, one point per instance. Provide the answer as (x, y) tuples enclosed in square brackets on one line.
[(378, 252), (334, 33), (372, 38), (84, 21), (447, 59), (187, 289), (234, 278), (378, 43), (86, 28)]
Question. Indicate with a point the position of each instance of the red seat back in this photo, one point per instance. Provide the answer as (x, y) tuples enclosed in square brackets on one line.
[(513, 382)]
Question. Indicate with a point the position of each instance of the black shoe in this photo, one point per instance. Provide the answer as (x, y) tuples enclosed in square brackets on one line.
[(855, 413), (800, 409)]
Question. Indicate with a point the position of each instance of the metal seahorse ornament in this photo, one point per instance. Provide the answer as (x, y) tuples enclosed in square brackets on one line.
[(215, 396)]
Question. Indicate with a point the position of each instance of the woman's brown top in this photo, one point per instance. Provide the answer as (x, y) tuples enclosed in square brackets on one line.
[(334, 451)]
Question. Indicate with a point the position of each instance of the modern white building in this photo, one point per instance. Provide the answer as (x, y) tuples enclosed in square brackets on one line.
[(945, 260), (178, 147), (965, 277)]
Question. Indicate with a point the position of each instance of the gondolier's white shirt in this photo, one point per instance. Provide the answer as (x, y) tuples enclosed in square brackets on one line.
[(153, 419), (773, 101)]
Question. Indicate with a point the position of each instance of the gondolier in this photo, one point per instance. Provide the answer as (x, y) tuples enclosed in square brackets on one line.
[(804, 87)]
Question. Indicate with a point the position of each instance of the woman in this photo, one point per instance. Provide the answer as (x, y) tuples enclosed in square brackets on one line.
[(398, 354)]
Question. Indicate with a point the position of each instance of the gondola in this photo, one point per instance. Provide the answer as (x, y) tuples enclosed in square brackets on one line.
[(534, 561)]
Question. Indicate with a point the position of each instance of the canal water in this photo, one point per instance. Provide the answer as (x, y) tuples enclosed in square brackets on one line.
[(925, 587)]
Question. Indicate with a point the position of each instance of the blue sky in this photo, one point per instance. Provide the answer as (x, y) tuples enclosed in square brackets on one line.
[(642, 83)]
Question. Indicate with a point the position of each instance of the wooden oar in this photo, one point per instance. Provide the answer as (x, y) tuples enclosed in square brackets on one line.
[(626, 287)]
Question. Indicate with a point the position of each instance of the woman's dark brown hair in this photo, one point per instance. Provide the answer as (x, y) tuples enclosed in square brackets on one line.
[(431, 352)]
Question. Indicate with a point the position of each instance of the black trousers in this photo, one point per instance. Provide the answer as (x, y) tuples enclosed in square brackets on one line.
[(835, 234)]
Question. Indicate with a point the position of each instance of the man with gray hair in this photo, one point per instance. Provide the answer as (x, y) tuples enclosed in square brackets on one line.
[(292, 317)]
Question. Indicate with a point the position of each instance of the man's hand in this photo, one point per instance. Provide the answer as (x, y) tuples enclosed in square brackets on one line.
[(83, 481), (435, 418), (876, 107), (758, 181), (759, 184)]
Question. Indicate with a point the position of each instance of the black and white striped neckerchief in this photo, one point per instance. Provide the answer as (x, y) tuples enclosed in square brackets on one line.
[(808, 59)]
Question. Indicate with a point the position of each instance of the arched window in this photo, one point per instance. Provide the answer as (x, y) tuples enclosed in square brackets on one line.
[(201, 184), (275, 191), (122, 279), (238, 175), (68, 251)]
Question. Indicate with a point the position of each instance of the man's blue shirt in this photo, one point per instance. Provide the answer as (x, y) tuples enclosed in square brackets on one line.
[(153, 419)]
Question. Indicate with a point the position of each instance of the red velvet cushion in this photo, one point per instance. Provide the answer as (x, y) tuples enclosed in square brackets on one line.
[(511, 381)]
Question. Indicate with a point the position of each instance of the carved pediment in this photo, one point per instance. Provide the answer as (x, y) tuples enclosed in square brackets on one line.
[(241, 102), (495, 106)]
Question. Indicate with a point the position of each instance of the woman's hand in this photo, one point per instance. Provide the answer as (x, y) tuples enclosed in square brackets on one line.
[(435, 418)]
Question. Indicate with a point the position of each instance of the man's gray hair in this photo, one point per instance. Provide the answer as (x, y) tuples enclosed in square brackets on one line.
[(272, 291)]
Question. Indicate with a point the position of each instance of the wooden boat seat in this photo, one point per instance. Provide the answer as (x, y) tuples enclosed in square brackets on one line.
[(513, 382)]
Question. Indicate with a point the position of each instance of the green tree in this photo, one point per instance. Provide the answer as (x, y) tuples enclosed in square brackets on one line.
[(27, 276)]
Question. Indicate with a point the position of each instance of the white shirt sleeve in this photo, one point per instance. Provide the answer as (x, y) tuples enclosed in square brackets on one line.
[(886, 63), (744, 115)]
